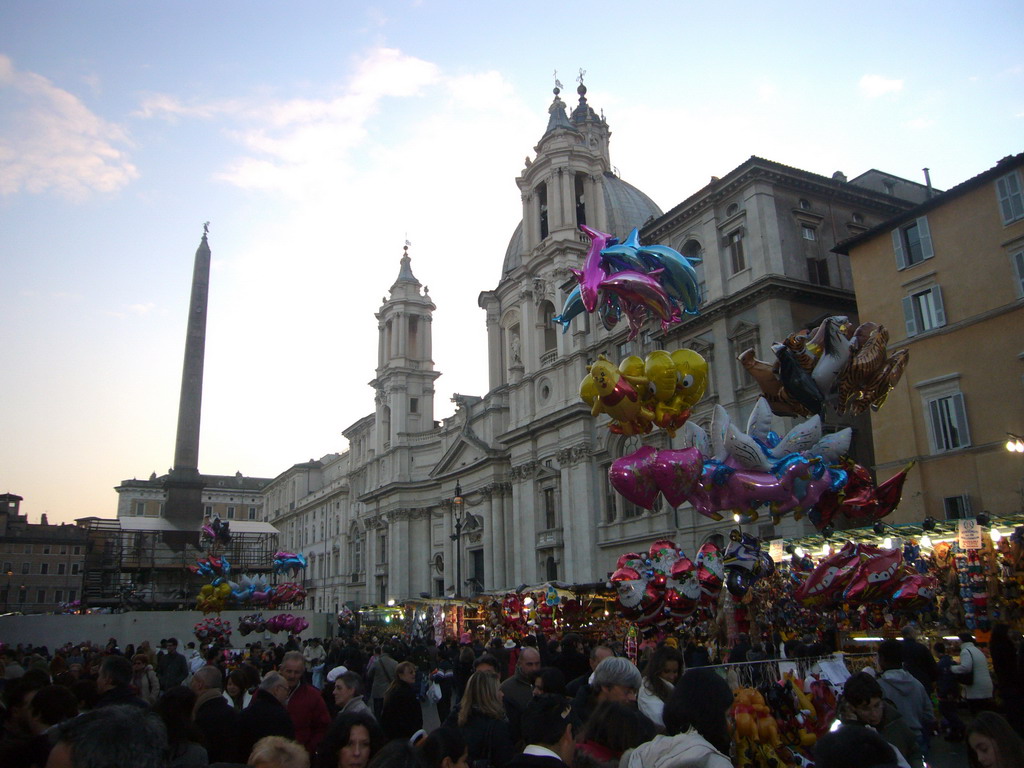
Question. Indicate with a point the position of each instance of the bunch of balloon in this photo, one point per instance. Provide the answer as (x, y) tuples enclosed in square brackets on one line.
[(638, 281), (859, 574), (834, 364), (744, 473), (659, 590), (215, 630)]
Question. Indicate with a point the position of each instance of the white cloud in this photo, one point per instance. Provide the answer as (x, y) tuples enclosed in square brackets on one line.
[(50, 142), (873, 86), (142, 309)]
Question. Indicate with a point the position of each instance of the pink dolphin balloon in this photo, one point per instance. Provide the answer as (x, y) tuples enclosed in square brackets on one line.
[(593, 271)]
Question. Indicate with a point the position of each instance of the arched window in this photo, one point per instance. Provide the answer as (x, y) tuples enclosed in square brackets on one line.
[(732, 210), (581, 203), (542, 209)]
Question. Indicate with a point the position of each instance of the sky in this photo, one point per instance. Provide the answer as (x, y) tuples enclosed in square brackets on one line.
[(317, 137)]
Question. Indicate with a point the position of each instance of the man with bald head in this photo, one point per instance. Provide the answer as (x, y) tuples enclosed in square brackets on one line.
[(215, 718), (517, 690)]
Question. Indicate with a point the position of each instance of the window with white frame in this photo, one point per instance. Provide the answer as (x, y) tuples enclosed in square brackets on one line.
[(1011, 201), (947, 420), (945, 413), (252, 513), (912, 243), (924, 311), (808, 233)]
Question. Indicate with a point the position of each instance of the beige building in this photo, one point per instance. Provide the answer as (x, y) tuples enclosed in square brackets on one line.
[(41, 565), (947, 280)]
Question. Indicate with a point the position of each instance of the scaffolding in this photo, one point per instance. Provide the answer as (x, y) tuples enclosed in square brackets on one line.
[(142, 563)]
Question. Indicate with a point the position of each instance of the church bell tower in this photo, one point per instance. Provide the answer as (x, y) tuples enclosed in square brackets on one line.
[(405, 375)]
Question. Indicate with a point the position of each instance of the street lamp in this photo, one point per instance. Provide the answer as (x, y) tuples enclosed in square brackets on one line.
[(457, 514)]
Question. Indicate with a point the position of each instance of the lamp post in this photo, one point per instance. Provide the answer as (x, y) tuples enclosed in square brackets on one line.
[(457, 514)]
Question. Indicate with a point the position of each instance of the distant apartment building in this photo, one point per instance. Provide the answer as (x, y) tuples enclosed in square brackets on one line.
[(946, 278), (41, 565)]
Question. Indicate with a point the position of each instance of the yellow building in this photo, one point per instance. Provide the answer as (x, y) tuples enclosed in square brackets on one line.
[(947, 280)]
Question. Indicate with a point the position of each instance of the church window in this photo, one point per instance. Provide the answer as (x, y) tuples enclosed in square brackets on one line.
[(581, 203), (550, 512), (745, 338), (817, 271), (414, 405), (551, 568), (737, 259), (414, 327), (550, 329), (542, 209), (610, 497), (692, 250)]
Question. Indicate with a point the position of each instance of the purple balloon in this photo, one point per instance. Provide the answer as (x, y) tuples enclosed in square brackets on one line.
[(676, 473), (632, 476), (593, 271)]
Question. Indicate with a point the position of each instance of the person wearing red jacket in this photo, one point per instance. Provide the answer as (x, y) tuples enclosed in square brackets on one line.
[(305, 704)]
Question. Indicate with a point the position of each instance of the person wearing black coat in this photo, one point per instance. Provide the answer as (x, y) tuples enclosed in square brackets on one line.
[(547, 732), (266, 714), (214, 717), (573, 661), (918, 660), (114, 684), (402, 714)]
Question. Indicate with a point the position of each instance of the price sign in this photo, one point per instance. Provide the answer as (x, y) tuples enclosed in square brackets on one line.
[(775, 551), (969, 534)]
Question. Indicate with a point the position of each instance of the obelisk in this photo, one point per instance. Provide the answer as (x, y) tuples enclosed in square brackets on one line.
[(184, 505)]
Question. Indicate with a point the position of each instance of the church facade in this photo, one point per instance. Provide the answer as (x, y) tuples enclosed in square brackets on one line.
[(512, 488)]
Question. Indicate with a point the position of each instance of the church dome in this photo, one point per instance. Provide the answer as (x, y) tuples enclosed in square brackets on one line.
[(627, 207)]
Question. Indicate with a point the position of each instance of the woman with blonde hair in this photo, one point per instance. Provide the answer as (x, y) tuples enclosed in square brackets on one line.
[(144, 679), (278, 752), (482, 721), (401, 715)]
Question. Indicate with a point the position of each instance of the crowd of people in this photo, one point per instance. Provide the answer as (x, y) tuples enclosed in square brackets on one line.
[(360, 702)]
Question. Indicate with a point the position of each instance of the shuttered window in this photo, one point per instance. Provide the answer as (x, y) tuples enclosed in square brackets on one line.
[(948, 419), (1011, 202), (912, 243), (924, 311)]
